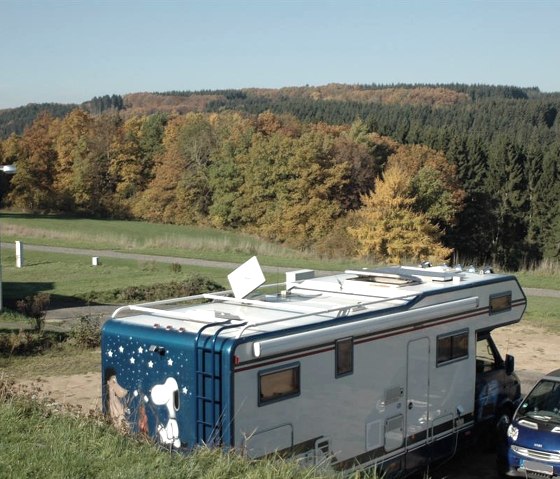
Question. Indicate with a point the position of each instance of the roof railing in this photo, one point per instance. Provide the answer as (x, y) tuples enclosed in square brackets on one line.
[(342, 311)]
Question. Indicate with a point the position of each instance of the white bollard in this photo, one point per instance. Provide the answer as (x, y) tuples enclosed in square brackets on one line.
[(19, 254), (95, 261)]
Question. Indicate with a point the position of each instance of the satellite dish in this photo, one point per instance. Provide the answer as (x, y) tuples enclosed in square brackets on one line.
[(245, 279)]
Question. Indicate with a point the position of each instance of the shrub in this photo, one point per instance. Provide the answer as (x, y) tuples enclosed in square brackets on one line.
[(29, 342), (35, 308), (87, 332), (134, 294)]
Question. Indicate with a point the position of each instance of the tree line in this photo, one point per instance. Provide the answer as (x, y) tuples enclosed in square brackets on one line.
[(478, 180), (504, 142)]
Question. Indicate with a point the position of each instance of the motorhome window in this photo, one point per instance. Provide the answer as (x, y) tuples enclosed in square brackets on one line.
[(485, 358), (344, 357), (500, 302), (278, 384), (452, 347)]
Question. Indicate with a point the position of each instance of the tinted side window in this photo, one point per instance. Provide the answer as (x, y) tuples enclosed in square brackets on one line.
[(500, 302), (344, 357), (279, 384), (452, 347)]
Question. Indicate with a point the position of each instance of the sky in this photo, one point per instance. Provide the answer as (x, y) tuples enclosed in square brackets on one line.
[(70, 51)]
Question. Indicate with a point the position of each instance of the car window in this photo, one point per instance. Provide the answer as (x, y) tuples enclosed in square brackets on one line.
[(543, 402)]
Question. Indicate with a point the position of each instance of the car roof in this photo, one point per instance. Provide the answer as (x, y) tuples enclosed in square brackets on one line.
[(554, 374)]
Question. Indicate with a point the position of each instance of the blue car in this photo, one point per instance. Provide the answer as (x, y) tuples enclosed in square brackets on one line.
[(533, 437)]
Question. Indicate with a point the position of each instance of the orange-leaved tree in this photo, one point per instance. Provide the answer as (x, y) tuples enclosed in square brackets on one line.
[(179, 192), (32, 185), (387, 228)]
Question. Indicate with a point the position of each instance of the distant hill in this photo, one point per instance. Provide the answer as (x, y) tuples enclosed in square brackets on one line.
[(15, 120), (333, 102)]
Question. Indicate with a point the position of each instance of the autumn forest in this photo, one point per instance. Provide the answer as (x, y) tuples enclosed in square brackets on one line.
[(391, 173)]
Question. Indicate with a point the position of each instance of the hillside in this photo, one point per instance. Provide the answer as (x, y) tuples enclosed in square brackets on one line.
[(354, 100)]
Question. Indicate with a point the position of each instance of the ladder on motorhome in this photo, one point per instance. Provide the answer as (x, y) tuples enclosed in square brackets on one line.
[(208, 383)]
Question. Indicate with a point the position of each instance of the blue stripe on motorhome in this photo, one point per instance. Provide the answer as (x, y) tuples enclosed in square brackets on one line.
[(257, 363)]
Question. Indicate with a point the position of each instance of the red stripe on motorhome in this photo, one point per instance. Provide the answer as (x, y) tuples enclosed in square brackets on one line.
[(259, 363)]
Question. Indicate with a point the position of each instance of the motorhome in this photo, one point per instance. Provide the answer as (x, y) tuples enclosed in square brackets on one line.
[(388, 367)]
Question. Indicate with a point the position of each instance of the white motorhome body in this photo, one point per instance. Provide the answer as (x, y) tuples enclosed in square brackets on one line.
[(362, 368)]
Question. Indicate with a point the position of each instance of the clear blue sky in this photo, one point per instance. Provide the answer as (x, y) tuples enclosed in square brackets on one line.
[(71, 51)]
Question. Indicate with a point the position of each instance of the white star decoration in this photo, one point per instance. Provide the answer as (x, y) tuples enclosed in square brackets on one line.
[(121, 349), (170, 362), (110, 353), (132, 360), (150, 364), (185, 390), (140, 349)]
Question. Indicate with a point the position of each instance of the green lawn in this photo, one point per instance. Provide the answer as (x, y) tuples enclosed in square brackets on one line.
[(72, 276), (53, 362)]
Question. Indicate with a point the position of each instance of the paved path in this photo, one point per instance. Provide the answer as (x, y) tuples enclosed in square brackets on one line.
[(141, 257)]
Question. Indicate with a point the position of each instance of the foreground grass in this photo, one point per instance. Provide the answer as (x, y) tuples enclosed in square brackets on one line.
[(38, 439)]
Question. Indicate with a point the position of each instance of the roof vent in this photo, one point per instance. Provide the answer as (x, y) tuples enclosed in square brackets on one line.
[(293, 277)]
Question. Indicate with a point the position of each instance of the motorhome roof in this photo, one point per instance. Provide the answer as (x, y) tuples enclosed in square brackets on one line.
[(303, 299)]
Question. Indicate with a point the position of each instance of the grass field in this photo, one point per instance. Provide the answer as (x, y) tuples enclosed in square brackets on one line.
[(544, 312), (146, 238), (185, 242)]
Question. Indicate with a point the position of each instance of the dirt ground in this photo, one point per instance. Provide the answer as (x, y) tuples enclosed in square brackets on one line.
[(536, 352)]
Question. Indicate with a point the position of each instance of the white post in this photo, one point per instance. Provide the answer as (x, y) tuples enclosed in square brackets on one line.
[(19, 254), (95, 261)]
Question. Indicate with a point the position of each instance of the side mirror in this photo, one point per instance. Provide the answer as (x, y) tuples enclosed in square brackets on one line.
[(510, 364)]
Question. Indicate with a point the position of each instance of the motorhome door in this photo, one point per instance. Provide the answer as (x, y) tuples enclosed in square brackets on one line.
[(417, 384)]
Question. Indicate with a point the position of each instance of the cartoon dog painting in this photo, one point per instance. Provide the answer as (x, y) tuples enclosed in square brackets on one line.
[(115, 405), (167, 394)]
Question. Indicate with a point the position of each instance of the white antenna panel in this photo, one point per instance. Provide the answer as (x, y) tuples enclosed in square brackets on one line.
[(245, 279)]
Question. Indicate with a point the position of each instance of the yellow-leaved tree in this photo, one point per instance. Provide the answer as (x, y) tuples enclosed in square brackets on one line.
[(387, 228)]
